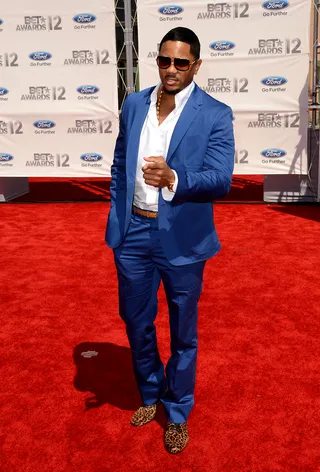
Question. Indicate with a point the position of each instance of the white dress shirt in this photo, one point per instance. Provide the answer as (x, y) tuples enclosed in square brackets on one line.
[(155, 141)]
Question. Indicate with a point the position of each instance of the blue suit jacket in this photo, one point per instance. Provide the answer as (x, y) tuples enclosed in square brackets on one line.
[(201, 152)]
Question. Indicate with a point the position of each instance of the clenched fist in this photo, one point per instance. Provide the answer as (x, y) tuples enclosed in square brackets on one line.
[(157, 173)]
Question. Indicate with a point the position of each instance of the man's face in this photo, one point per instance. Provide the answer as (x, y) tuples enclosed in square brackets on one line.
[(173, 80)]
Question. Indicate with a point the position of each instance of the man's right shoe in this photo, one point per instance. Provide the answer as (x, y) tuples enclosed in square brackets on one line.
[(144, 414), (176, 437)]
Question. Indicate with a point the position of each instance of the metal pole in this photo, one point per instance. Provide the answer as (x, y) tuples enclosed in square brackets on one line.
[(128, 41), (315, 62), (315, 87), (318, 196)]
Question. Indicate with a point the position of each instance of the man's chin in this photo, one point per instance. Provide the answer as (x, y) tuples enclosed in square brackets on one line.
[(171, 91)]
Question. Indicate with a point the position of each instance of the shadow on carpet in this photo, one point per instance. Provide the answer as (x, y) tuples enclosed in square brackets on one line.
[(44, 190), (309, 212), (105, 370)]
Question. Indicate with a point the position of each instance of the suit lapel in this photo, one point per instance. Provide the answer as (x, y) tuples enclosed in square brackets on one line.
[(135, 125), (190, 111), (135, 132)]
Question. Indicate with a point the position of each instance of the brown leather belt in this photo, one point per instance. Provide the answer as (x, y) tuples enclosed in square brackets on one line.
[(146, 213)]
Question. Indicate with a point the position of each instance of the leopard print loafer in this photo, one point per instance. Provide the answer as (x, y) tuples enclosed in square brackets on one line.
[(144, 414), (176, 437)]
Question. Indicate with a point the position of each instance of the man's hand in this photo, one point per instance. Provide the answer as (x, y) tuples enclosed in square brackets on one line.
[(157, 173)]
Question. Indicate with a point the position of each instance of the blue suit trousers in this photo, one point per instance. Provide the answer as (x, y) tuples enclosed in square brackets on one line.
[(141, 265)]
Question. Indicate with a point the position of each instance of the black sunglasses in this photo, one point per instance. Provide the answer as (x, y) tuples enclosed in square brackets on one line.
[(180, 64)]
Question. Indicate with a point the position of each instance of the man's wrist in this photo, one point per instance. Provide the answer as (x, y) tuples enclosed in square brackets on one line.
[(172, 180)]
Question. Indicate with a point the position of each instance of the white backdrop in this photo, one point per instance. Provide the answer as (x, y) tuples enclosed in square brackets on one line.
[(256, 59), (58, 88)]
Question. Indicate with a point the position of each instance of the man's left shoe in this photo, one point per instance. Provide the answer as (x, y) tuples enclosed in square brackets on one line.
[(144, 414), (176, 437)]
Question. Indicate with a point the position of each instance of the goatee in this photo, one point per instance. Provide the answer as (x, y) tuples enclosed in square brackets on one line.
[(170, 92)]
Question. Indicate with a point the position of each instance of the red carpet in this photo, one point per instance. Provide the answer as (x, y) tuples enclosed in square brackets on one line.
[(244, 188), (257, 398)]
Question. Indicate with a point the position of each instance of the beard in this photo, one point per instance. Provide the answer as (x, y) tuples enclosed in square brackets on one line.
[(170, 92)]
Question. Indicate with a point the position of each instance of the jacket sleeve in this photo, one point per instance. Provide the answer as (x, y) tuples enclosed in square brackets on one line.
[(214, 181), (118, 168)]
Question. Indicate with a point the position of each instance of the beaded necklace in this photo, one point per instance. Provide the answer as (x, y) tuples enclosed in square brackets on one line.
[(158, 105)]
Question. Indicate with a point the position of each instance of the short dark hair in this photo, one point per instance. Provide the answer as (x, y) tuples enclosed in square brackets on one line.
[(185, 35)]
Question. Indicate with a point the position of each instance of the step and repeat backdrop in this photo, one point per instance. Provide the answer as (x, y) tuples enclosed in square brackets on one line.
[(58, 88), (256, 59), (58, 80)]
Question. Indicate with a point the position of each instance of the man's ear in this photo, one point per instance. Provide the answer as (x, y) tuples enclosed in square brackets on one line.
[(198, 66)]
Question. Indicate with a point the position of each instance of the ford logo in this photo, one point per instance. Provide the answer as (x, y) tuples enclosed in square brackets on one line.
[(274, 81), (273, 153), (275, 4), (87, 89), (3, 91), (170, 10), (1, 21), (222, 45), (5, 157), (40, 56), (91, 157), (44, 124), (84, 18)]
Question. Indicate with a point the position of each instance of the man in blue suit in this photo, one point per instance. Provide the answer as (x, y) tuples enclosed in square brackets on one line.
[(174, 155)]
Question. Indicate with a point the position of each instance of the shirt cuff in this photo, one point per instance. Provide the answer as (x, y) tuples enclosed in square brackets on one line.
[(167, 195)]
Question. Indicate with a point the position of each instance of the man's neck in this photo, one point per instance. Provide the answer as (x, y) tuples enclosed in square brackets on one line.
[(168, 100)]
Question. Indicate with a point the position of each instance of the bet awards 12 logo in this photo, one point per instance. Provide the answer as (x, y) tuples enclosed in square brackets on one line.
[(241, 156), (276, 46), (42, 92), (9, 59), (223, 11), (47, 159), (87, 57), (40, 23), (153, 54), (226, 85), (275, 120), (11, 127), (91, 127)]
